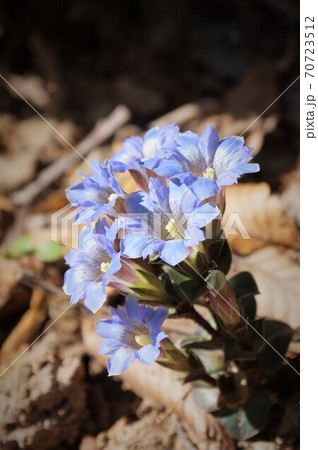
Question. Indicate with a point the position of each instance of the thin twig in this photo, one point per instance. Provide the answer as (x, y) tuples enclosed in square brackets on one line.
[(103, 130), (185, 113)]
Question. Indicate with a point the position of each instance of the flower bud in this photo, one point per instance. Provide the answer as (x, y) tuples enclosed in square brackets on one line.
[(134, 278), (172, 358), (222, 298)]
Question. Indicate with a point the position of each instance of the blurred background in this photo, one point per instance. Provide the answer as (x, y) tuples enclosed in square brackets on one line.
[(75, 62)]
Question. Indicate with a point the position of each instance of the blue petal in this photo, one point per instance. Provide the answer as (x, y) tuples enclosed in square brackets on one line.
[(73, 288), (112, 180), (229, 145), (109, 329), (168, 168), (119, 314), (159, 317), (132, 306), (134, 244), (208, 144), (204, 188), (188, 143), (138, 202), (76, 194), (181, 199), (118, 166), (95, 297), (108, 347), (193, 236), (114, 266), (132, 148), (247, 168), (174, 251), (74, 277), (157, 339), (152, 163), (158, 194), (158, 137), (227, 178), (188, 146), (203, 215), (148, 354), (155, 245), (120, 361), (87, 214), (75, 256)]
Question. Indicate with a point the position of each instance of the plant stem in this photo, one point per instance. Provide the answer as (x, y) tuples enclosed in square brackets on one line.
[(208, 379), (193, 313)]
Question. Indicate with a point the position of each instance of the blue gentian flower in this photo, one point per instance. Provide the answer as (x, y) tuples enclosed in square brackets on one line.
[(167, 220), (132, 333), (96, 195), (204, 162), (92, 266), (140, 155)]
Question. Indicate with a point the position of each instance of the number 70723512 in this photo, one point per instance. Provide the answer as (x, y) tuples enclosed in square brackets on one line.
[(309, 46)]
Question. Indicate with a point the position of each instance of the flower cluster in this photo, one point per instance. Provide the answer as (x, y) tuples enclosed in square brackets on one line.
[(163, 248), (181, 177)]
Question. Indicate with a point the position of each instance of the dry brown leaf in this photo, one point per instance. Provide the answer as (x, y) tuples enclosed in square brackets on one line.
[(16, 170), (153, 431), (9, 272), (26, 141), (32, 87), (26, 329), (50, 376), (252, 209), (291, 193), (160, 387), (55, 201), (260, 84), (276, 272)]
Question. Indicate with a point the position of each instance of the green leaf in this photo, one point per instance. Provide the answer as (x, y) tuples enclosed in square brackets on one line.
[(220, 254), (189, 343), (233, 351), (49, 251), (225, 258), (150, 278), (255, 333), (278, 335), (20, 246), (247, 421), (244, 284), (247, 306), (188, 288)]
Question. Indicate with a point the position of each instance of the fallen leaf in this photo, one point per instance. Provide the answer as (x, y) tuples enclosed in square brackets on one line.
[(9, 273), (291, 193), (27, 327), (254, 218), (32, 87), (276, 272)]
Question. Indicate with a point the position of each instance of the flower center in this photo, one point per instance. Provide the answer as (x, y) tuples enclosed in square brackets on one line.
[(209, 173), (143, 339), (172, 229), (104, 267)]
